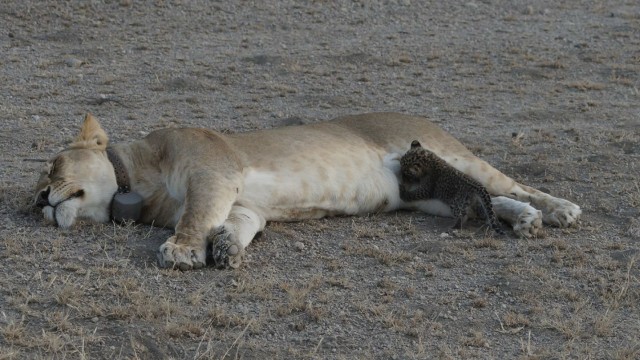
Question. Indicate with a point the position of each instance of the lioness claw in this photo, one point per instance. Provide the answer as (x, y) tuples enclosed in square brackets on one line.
[(183, 257)]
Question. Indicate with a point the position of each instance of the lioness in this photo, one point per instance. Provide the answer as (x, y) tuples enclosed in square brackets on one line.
[(221, 188)]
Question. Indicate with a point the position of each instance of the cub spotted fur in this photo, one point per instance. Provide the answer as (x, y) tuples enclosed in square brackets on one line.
[(221, 189), (430, 177)]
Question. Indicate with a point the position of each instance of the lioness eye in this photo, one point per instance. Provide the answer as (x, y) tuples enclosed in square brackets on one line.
[(55, 163), (77, 194)]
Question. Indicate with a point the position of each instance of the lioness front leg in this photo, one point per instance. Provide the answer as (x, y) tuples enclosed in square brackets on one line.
[(206, 207), (235, 235)]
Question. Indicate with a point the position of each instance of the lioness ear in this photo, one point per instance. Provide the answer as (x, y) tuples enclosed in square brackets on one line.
[(91, 135)]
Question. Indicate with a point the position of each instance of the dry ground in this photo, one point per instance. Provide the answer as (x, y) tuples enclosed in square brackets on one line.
[(547, 91)]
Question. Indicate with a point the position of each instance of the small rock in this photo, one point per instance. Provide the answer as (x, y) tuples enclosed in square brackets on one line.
[(298, 245), (73, 62), (444, 235), (94, 319)]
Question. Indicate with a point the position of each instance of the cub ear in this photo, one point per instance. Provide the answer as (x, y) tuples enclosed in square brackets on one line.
[(91, 135), (415, 144)]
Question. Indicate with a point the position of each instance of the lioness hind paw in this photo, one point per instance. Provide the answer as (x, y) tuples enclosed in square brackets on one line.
[(565, 214), (529, 223), (224, 255)]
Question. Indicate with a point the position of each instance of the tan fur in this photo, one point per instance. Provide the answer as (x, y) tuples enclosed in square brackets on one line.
[(219, 188)]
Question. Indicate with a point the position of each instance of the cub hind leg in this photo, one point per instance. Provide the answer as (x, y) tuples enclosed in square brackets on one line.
[(483, 207), (459, 211)]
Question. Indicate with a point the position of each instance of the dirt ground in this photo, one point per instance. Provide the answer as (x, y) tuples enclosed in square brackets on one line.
[(547, 91)]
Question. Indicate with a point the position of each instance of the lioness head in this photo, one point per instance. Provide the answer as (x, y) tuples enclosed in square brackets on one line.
[(79, 181)]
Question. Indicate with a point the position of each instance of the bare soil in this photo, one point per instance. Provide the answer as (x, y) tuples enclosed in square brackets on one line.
[(547, 91)]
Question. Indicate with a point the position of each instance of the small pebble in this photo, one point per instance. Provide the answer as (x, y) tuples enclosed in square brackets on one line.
[(94, 319), (298, 245), (73, 62)]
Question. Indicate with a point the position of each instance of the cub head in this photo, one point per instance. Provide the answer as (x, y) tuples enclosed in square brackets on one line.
[(412, 164), (78, 181)]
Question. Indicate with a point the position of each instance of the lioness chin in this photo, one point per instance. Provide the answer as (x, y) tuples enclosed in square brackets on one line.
[(222, 189)]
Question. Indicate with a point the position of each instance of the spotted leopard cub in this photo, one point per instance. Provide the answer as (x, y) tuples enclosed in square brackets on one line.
[(426, 176)]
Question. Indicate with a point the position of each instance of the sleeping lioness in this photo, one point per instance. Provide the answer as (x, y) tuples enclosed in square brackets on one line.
[(222, 189)]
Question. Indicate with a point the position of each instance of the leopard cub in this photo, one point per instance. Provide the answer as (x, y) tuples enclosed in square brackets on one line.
[(426, 176)]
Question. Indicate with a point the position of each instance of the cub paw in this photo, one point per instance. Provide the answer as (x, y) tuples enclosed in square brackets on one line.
[(225, 253), (562, 213), (180, 256), (528, 223)]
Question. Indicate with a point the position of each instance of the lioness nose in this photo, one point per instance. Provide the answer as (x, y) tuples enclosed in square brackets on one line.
[(43, 200)]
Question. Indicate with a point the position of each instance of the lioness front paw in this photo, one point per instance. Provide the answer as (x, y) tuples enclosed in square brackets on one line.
[(226, 254), (528, 223), (180, 256), (562, 213)]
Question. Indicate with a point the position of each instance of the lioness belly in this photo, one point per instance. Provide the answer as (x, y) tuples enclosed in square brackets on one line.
[(315, 184)]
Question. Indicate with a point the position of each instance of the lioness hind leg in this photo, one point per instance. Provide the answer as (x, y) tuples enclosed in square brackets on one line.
[(554, 211), (228, 244), (524, 218)]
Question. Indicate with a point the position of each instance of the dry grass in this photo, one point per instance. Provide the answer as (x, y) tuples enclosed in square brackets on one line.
[(385, 257), (476, 339), (585, 85)]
